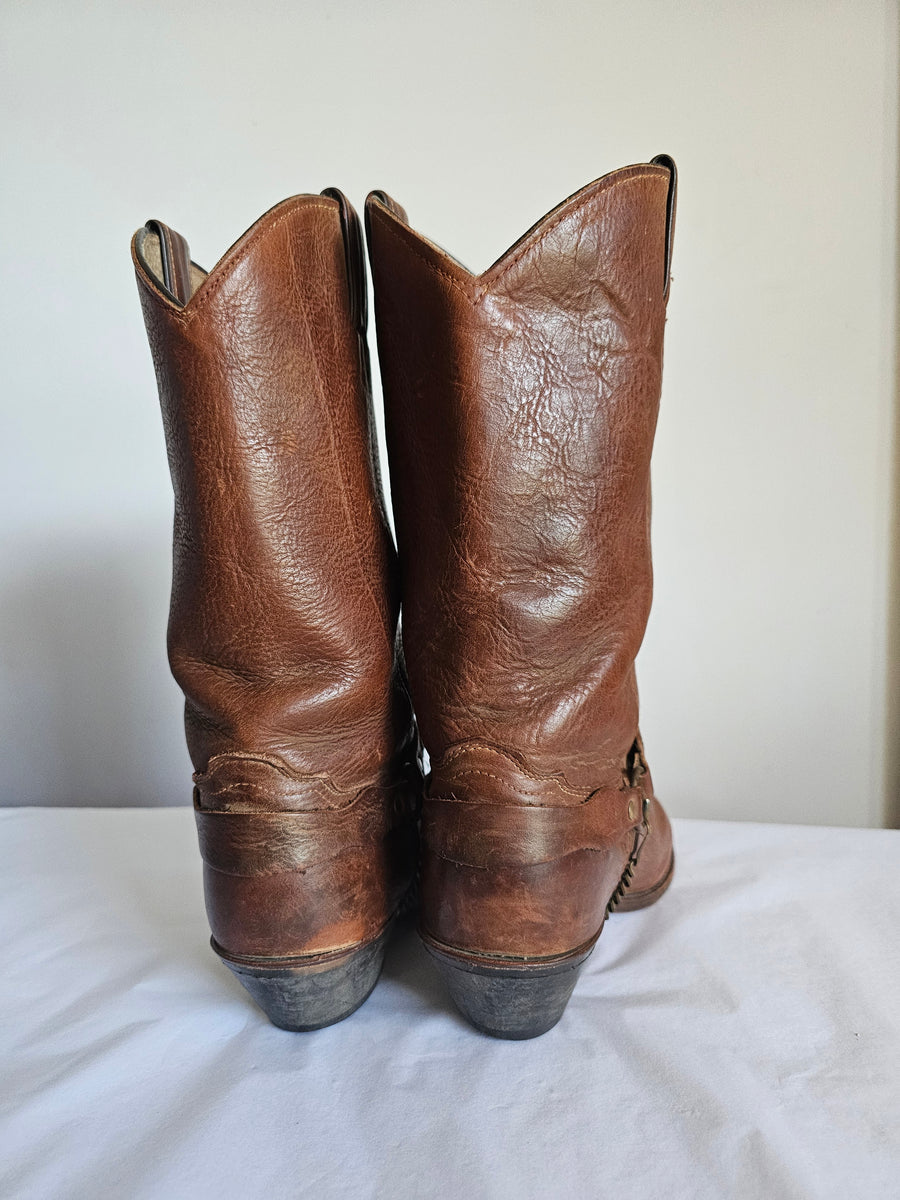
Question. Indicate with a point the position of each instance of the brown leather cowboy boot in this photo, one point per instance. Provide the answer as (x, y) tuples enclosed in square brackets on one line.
[(282, 630), (521, 406)]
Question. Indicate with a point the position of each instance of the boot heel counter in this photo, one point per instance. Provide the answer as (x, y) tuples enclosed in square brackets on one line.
[(291, 876), (526, 910), (518, 862)]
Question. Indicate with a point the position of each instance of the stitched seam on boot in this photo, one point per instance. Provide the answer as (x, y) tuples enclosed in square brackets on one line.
[(185, 311), (351, 515), (517, 760), (390, 227)]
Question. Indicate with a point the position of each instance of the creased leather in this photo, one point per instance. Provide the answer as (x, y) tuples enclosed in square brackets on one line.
[(520, 409), (264, 843), (283, 619)]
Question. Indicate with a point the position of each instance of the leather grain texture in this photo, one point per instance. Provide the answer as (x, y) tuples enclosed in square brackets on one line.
[(283, 620), (521, 407)]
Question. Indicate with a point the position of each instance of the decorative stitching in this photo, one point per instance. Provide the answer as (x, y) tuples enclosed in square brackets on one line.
[(518, 790), (455, 751), (313, 782), (357, 799), (277, 764)]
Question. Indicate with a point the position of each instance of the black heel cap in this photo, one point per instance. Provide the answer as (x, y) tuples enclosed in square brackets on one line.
[(304, 998), (514, 1001)]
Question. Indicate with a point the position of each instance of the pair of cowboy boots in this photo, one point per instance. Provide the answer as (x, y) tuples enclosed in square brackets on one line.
[(520, 409)]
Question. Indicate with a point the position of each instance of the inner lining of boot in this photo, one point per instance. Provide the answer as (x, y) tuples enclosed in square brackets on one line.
[(151, 255)]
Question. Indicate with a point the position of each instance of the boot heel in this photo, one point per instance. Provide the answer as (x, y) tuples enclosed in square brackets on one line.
[(510, 999), (302, 996)]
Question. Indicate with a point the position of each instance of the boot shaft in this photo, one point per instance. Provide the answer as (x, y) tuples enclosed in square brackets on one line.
[(284, 598), (521, 406)]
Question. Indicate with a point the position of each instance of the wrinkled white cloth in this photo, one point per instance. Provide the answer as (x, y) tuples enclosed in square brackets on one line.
[(739, 1039)]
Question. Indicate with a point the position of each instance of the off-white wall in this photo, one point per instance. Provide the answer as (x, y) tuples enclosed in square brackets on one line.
[(763, 674)]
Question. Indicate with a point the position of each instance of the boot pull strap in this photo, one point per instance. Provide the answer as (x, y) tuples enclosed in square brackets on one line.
[(351, 231), (664, 160), (174, 270)]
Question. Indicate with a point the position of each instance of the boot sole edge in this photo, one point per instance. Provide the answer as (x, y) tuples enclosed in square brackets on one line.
[(303, 996), (512, 999)]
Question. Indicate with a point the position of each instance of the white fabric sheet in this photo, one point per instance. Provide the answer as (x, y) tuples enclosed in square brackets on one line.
[(739, 1039)]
